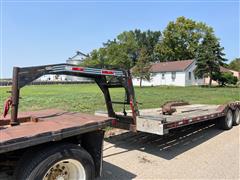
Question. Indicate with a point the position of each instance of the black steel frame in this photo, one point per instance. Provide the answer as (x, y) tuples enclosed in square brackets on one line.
[(122, 78)]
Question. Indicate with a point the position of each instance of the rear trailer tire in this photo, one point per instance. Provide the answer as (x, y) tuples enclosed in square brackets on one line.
[(236, 117), (226, 122), (61, 162)]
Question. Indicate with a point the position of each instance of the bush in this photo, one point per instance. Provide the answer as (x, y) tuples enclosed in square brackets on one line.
[(225, 78)]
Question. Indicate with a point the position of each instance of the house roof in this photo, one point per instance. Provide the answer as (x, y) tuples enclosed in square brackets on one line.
[(223, 69), (234, 73), (171, 66)]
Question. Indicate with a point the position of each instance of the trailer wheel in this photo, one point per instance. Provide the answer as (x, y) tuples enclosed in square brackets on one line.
[(61, 162), (236, 117), (226, 122)]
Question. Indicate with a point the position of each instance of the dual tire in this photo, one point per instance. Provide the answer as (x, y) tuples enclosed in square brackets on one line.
[(231, 119)]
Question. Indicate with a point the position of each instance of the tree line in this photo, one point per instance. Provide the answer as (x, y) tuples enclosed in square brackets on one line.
[(182, 39)]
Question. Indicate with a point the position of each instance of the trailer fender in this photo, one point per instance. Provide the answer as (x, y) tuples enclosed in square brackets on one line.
[(92, 142)]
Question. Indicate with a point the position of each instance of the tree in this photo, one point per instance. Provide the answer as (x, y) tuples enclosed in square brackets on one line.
[(181, 39), (235, 64), (124, 51), (114, 56), (224, 78), (209, 57), (147, 40), (141, 69), (96, 58)]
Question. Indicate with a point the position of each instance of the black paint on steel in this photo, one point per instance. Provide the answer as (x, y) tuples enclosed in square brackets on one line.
[(15, 98), (132, 97), (121, 78), (92, 142), (101, 81)]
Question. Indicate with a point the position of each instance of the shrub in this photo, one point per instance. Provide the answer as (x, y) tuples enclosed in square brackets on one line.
[(225, 78)]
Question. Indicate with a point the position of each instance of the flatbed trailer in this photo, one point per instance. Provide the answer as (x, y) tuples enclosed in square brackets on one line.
[(154, 121), (42, 126), (55, 144)]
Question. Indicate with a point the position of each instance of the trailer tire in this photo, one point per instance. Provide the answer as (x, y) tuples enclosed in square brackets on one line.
[(226, 122), (63, 161), (236, 117)]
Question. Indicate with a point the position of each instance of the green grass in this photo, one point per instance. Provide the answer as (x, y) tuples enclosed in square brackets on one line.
[(89, 98)]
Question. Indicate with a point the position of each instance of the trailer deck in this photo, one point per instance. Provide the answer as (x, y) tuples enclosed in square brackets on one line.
[(154, 121), (182, 112), (47, 125)]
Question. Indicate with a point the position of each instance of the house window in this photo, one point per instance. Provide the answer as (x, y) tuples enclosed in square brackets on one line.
[(173, 76), (189, 75), (163, 75)]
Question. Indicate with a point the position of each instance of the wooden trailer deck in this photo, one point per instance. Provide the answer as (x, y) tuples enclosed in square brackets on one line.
[(47, 125), (154, 121), (182, 112)]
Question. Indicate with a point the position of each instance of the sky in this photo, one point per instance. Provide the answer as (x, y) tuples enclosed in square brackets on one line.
[(46, 32)]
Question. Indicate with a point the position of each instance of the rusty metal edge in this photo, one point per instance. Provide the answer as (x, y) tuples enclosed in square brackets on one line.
[(51, 136)]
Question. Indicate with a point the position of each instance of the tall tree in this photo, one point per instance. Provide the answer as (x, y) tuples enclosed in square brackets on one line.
[(235, 64), (141, 69), (124, 51), (114, 56), (209, 57), (181, 39), (95, 59), (147, 40)]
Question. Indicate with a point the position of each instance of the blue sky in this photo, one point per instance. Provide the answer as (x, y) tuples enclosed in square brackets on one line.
[(35, 33)]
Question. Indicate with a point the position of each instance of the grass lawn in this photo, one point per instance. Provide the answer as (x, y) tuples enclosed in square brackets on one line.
[(88, 97)]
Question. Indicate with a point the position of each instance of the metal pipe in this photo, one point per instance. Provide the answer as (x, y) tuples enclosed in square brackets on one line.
[(15, 98)]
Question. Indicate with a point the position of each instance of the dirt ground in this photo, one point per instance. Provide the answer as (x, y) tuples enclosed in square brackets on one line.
[(197, 152)]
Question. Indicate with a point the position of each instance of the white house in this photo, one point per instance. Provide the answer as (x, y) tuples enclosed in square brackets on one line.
[(173, 73), (75, 60), (52, 77)]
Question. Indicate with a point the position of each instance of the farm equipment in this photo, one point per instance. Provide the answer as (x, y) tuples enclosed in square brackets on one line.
[(56, 144)]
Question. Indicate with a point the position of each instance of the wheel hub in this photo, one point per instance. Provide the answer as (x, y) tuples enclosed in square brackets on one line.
[(66, 170), (57, 172)]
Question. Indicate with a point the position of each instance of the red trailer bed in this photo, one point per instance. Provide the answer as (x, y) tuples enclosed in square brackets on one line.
[(47, 125)]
